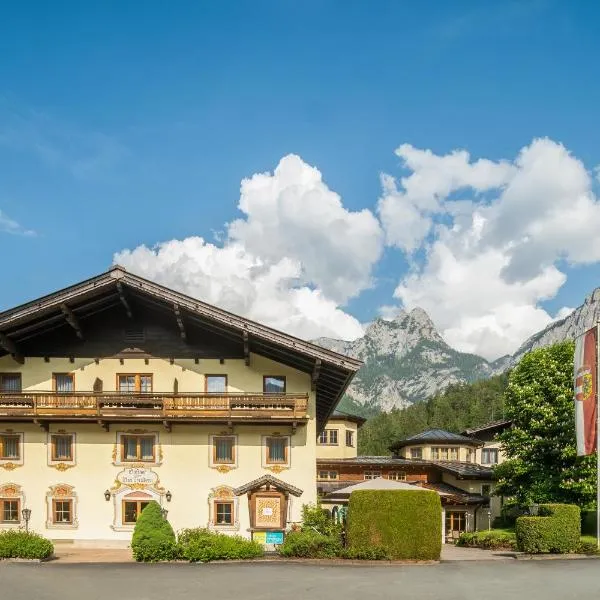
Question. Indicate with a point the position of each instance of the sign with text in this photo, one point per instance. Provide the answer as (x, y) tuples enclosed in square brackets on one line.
[(137, 476)]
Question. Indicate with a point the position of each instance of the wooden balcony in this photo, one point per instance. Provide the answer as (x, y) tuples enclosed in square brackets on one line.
[(106, 407)]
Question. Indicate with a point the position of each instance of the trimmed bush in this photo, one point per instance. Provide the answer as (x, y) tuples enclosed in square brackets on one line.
[(153, 537), (201, 545), (588, 545), (19, 544), (406, 523), (373, 553), (555, 530), (310, 544), (488, 540)]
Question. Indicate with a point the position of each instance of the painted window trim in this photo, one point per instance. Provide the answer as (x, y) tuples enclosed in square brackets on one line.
[(9, 462), (221, 495), (138, 382), (265, 451), (118, 449), (52, 460), (52, 497), (18, 500), (212, 449), (118, 495)]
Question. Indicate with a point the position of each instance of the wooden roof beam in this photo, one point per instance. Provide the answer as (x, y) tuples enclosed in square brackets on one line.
[(246, 348), (315, 374), (124, 300), (72, 320), (179, 320), (12, 348)]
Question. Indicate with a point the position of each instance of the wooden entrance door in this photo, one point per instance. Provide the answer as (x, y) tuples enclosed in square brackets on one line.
[(456, 523)]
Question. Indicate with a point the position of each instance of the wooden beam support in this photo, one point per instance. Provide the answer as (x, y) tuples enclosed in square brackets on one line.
[(179, 320), (72, 320), (103, 424), (124, 300), (10, 346), (315, 374), (246, 348), (42, 424)]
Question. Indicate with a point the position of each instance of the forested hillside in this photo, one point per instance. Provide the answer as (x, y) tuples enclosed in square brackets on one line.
[(458, 407)]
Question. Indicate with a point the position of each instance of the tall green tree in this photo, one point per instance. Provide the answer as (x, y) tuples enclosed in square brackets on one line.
[(542, 463)]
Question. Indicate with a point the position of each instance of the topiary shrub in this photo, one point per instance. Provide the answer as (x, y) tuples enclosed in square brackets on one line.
[(19, 544), (153, 537), (555, 530), (406, 523), (201, 545), (310, 544)]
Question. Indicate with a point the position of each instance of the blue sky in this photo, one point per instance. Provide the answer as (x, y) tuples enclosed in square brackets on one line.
[(122, 125)]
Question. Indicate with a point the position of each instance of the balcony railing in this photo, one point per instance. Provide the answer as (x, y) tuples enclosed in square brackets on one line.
[(118, 405)]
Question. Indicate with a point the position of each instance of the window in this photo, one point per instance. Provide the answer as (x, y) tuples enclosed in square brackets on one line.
[(10, 382), (350, 439), (397, 475), (223, 513), (132, 509), (328, 475), (223, 450), (486, 489), (489, 456), (137, 448), (134, 383), (471, 455), (10, 510), (455, 521), (10, 446), (329, 437), (444, 453), (277, 450), (273, 384), (63, 382), (62, 447), (416, 452), (216, 384), (62, 512), (372, 474)]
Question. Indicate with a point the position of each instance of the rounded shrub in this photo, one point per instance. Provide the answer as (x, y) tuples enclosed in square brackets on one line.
[(153, 537), (406, 523), (21, 544)]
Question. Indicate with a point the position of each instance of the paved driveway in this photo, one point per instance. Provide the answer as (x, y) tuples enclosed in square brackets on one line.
[(532, 580)]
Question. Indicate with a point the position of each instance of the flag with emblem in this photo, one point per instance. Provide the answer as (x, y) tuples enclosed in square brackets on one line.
[(586, 372)]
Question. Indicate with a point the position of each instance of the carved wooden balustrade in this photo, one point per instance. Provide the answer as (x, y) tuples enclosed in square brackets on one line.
[(131, 406)]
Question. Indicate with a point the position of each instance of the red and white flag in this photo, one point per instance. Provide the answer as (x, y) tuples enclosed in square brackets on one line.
[(586, 372)]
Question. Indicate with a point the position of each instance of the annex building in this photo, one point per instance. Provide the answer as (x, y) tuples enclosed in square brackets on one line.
[(118, 391)]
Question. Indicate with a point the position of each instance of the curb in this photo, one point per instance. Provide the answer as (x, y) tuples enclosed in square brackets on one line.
[(557, 557), (27, 560)]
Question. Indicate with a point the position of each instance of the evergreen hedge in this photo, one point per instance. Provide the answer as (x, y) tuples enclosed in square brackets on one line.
[(406, 524), (588, 522), (201, 545), (153, 537), (555, 530), (20, 544)]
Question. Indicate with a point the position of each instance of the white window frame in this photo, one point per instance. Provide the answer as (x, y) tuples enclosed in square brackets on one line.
[(372, 475), (401, 475), (327, 433), (490, 449)]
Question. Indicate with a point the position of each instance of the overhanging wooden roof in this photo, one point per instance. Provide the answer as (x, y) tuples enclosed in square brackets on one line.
[(331, 372)]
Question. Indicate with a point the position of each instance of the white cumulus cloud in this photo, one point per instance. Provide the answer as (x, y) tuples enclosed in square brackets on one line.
[(292, 261), (491, 258)]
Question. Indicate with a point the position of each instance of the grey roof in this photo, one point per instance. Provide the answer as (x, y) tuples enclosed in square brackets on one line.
[(440, 436), (462, 470), (500, 424), (267, 480), (331, 372), (450, 493), (338, 414)]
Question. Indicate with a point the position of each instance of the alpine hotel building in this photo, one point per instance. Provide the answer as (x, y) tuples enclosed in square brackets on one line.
[(118, 391)]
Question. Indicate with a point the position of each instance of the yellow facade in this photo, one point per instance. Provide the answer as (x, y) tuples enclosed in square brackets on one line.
[(342, 444), (183, 464)]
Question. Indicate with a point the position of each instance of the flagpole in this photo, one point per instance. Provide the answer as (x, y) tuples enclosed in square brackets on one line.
[(597, 435)]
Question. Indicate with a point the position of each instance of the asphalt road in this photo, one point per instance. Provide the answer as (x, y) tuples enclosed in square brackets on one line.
[(531, 580)]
